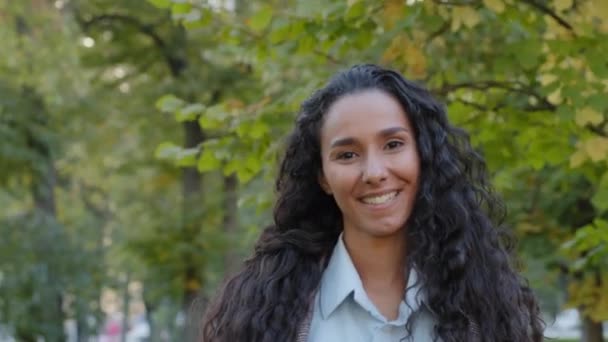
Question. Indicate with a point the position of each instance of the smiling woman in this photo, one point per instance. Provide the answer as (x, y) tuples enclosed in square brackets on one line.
[(370, 164), (386, 229)]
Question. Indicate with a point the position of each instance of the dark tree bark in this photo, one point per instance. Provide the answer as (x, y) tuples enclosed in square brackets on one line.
[(592, 331), (43, 193), (192, 218), (230, 221)]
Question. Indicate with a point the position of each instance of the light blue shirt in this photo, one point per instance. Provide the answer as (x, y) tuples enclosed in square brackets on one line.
[(343, 311)]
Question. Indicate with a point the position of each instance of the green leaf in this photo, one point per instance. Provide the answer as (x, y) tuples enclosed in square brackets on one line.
[(600, 198), (562, 5), (160, 3), (306, 44), (355, 11), (261, 19), (497, 6), (598, 64), (258, 130), (296, 28), (213, 117), (169, 103), (167, 150), (281, 31), (197, 18), (579, 264), (189, 112), (244, 175), (527, 53), (181, 8), (207, 161), (186, 157)]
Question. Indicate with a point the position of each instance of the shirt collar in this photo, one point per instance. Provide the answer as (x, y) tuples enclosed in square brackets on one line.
[(341, 278)]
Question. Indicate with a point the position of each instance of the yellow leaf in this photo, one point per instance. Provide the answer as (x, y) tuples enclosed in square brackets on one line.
[(393, 11), (562, 5), (597, 148), (406, 52), (601, 7), (588, 115), (550, 62), (395, 49), (495, 5), (555, 97), (595, 10), (416, 62), (546, 79), (577, 158), (464, 15), (441, 10), (193, 284), (528, 228), (590, 295), (555, 30), (351, 2), (470, 17), (234, 103)]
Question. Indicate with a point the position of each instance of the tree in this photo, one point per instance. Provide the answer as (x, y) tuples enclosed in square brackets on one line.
[(39, 287)]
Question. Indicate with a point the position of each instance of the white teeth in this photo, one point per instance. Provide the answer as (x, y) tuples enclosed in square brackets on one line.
[(380, 199)]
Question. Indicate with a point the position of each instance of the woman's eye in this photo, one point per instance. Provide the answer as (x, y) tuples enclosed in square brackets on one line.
[(394, 144), (346, 155)]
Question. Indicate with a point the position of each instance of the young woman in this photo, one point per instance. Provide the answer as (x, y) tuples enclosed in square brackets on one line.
[(385, 229)]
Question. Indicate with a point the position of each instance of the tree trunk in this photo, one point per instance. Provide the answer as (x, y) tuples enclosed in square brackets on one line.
[(149, 312), (43, 193), (126, 302), (230, 222), (592, 331), (192, 218), (44, 200)]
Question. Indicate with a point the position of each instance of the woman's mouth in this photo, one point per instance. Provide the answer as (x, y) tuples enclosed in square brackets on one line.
[(380, 199)]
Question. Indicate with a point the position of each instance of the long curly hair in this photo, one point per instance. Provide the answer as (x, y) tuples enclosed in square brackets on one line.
[(455, 239)]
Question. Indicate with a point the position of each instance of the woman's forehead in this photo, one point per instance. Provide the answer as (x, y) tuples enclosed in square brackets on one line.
[(364, 112)]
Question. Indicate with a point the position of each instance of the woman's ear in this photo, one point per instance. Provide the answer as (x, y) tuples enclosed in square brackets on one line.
[(323, 183)]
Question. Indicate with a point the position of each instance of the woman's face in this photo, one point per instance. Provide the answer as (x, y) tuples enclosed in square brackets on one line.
[(370, 162)]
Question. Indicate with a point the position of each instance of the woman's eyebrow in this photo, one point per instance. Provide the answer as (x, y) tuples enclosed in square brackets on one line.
[(343, 142), (392, 130), (347, 141)]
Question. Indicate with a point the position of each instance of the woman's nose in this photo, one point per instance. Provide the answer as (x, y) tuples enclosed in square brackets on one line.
[(374, 170)]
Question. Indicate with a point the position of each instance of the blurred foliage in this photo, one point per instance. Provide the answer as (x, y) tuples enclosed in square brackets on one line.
[(97, 98)]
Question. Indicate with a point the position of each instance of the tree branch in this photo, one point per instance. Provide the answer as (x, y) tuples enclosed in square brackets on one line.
[(107, 19), (443, 29), (480, 85), (599, 129), (546, 10), (175, 63), (515, 87)]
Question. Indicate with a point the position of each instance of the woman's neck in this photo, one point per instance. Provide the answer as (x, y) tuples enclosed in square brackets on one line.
[(380, 261)]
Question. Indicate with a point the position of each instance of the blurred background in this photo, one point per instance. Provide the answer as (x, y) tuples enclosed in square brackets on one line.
[(139, 140)]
